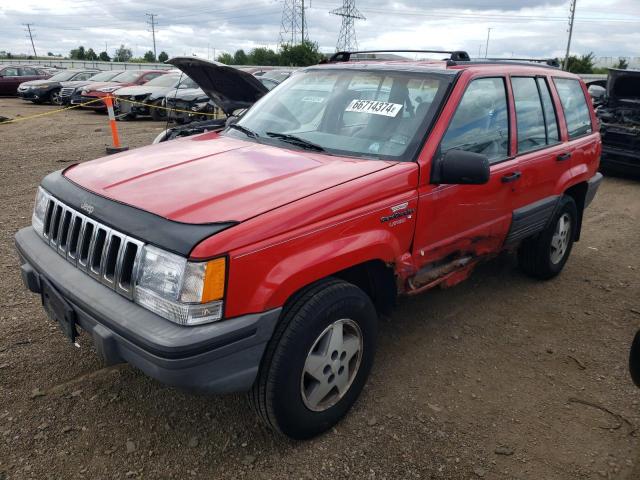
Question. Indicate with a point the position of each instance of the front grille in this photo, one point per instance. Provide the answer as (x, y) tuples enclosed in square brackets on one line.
[(105, 254), (67, 91)]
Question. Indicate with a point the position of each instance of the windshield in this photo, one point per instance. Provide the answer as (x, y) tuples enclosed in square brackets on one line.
[(373, 114), (105, 76), (187, 83), (164, 81), (127, 76), (62, 76)]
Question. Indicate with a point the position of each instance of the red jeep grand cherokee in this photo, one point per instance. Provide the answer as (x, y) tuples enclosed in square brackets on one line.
[(258, 258)]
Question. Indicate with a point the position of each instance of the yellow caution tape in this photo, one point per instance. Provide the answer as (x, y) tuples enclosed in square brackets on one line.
[(217, 115), (21, 119)]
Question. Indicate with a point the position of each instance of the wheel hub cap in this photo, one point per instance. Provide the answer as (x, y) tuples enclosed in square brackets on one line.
[(331, 365), (560, 239)]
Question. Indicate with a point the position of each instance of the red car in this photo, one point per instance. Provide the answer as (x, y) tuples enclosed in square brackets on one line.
[(258, 258), (127, 78), (11, 76)]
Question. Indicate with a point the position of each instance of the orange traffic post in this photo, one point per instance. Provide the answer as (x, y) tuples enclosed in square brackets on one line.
[(114, 128)]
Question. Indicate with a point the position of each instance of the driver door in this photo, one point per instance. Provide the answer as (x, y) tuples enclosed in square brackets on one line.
[(457, 221)]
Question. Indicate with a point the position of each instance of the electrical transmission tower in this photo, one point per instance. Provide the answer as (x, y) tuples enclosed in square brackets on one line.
[(293, 29), (152, 23), (29, 25), (347, 39), (572, 14)]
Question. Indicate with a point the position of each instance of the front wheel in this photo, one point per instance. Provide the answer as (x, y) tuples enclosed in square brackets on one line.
[(318, 360), (54, 97), (544, 255)]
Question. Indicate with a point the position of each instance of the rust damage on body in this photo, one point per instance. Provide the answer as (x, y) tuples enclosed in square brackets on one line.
[(446, 270)]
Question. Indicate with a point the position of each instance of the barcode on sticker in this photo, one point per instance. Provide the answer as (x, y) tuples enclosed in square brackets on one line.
[(374, 107)]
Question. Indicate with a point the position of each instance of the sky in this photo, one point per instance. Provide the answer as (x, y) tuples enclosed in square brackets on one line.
[(519, 28)]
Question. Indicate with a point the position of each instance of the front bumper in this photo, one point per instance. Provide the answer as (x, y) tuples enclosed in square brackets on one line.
[(78, 99), (219, 357), (32, 94)]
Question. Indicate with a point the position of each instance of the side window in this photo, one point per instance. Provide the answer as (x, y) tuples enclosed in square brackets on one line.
[(574, 105), (550, 117), (150, 76), (10, 72), (529, 114), (481, 122), (29, 71)]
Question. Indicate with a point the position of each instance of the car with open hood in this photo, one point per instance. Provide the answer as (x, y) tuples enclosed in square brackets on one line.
[(140, 100), (68, 88), (619, 115), (40, 91), (96, 91), (259, 258), (220, 87)]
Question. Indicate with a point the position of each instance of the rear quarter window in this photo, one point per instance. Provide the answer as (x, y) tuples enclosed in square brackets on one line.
[(574, 106)]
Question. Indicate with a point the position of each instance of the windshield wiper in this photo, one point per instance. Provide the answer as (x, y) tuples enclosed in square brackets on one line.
[(248, 132), (298, 141)]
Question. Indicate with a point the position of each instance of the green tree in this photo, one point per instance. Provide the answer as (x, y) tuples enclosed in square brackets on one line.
[(149, 57), (301, 55), (104, 57), (163, 57), (49, 54), (225, 58), (263, 56), (90, 55), (581, 64), (240, 58), (78, 53), (622, 64), (122, 54)]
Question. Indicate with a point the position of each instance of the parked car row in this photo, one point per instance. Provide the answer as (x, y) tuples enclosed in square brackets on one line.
[(191, 92)]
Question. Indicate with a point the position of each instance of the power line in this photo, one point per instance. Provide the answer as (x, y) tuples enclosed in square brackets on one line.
[(293, 26), (572, 11), (28, 25), (152, 23), (347, 40)]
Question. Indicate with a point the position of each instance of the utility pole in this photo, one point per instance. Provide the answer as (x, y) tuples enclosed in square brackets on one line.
[(152, 22), (28, 25), (486, 50), (347, 40), (572, 11), (293, 23), (302, 13)]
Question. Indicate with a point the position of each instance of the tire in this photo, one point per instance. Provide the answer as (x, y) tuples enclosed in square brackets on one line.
[(284, 394), (157, 114), (54, 97), (544, 255)]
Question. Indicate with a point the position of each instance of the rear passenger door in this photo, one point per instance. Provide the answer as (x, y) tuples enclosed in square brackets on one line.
[(542, 158), (9, 80)]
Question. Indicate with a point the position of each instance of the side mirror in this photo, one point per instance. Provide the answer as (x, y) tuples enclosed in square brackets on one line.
[(459, 167)]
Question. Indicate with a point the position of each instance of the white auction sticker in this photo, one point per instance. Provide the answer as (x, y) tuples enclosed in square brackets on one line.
[(374, 107)]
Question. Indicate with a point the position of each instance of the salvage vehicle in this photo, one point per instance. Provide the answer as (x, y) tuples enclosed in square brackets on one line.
[(220, 86), (151, 94), (40, 91), (100, 90), (619, 115), (259, 258), (11, 76), (69, 88)]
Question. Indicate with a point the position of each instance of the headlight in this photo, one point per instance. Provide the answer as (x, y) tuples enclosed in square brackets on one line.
[(45, 85), (39, 211), (188, 293), (108, 89), (84, 92)]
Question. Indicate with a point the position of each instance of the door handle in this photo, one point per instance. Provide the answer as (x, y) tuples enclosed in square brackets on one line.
[(511, 177), (563, 156)]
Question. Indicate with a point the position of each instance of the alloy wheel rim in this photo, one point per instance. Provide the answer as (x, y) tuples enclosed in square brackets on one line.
[(55, 98), (331, 365), (560, 239)]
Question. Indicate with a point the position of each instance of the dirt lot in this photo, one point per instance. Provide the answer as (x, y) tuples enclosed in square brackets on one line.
[(501, 377)]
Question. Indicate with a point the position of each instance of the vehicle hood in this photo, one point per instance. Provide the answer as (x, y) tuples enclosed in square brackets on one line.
[(98, 85), (188, 94), (228, 87), (35, 83), (208, 178), (75, 83), (136, 90), (623, 87)]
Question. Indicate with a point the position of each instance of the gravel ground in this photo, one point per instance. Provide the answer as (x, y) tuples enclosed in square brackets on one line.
[(501, 377)]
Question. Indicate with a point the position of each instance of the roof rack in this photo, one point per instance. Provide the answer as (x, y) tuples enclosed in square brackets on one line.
[(454, 55), (552, 62)]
